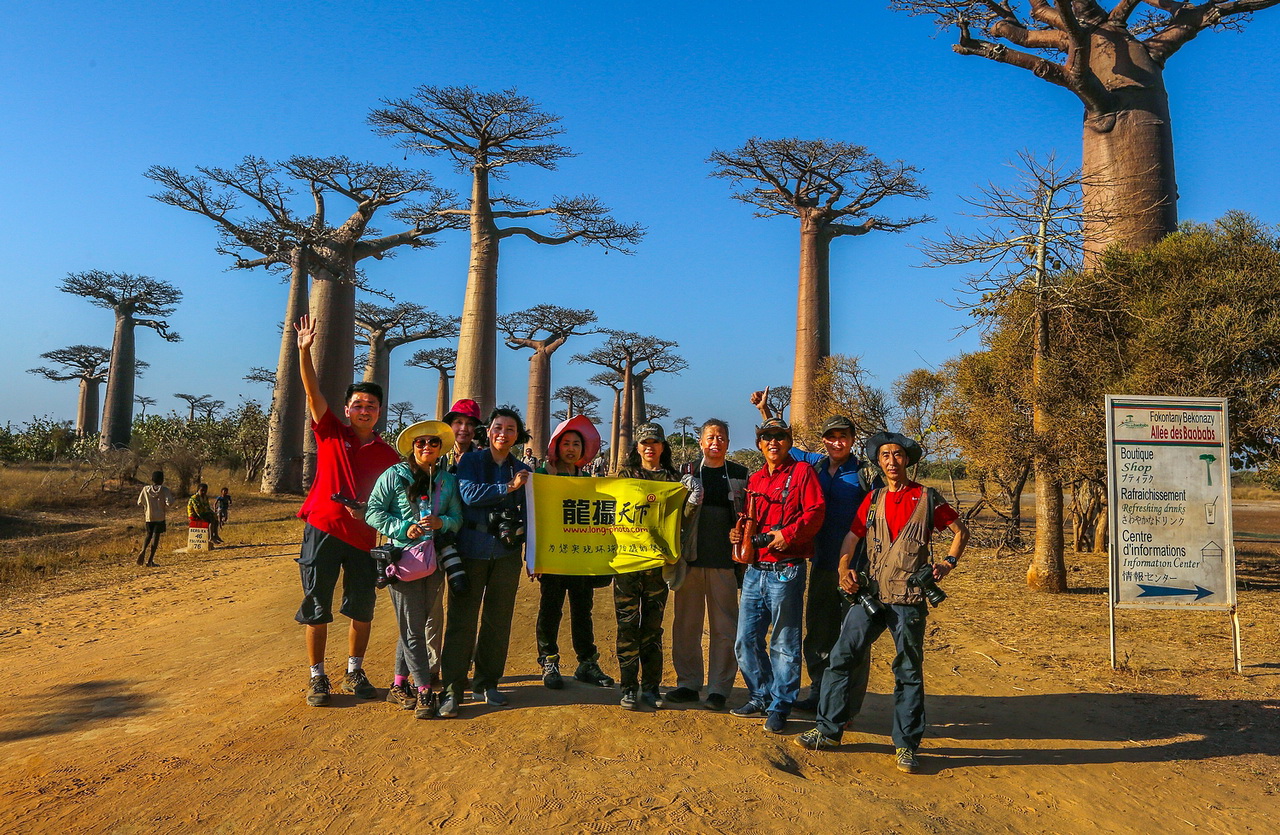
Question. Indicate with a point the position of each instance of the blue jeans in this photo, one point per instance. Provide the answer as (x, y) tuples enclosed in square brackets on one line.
[(771, 598)]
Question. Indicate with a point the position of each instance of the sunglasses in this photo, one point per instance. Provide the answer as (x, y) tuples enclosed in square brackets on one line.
[(774, 436), (421, 443)]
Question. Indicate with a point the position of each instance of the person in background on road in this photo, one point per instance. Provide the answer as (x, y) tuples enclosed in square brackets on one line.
[(573, 443), (897, 521), (786, 499), (711, 584), (155, 499), (222, 504), (336, 539), (198, 510), (414, 501)]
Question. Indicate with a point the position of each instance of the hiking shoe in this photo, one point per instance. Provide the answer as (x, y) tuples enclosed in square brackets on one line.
[(490, 697), (402, 695), (906, 760), (551, 673), (589, 672), (809, 705), (357, 682), (630, 699), (682, 694), (715, 702), (448, 708), (751, 710), (776, 722), (318, 692), (426, 706), (815, 740), (652, 699)]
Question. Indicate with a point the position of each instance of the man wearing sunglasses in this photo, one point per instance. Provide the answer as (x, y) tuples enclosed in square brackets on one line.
[(785, 498)]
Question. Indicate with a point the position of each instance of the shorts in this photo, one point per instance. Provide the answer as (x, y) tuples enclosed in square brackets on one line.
[(323, 557), (156, 527)]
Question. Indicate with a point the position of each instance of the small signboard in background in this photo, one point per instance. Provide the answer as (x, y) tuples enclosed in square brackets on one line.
[(1169, 494), (198, 536)]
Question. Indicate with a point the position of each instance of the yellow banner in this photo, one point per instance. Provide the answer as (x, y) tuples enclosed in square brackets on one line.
[(602, 525)]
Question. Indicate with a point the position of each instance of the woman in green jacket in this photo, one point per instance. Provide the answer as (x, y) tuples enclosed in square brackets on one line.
[(414, 501)]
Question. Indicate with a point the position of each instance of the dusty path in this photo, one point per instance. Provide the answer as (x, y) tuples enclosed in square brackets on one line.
[(173, 701)]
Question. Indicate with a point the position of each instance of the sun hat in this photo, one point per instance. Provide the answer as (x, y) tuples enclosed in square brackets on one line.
[(584, 427), (442, 430), (773, 425), (910, 447), (463, 408)]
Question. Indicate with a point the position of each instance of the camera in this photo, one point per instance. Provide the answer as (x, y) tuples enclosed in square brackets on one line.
[(359, 507), (923, 580), (451, 563), (762, 540), (507, 525), (385, 556), (866, 596)]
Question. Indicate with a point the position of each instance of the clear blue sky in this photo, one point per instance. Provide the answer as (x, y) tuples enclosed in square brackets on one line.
[(95, 93)]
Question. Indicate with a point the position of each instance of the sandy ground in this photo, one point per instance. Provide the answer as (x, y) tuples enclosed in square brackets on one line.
[(173, 700)]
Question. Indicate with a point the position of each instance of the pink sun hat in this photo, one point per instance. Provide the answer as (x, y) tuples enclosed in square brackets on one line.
[(584, 427)]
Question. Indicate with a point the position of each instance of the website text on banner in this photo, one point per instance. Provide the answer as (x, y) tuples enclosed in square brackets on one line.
[(602, 525)]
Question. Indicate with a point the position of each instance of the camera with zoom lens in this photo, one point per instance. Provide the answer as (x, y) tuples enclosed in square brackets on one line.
[(507, 525), (762, 540), (385, 556), (867, 596), (923, 580)]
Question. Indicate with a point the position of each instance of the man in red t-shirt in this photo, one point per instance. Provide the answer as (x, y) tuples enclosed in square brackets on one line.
[(336, 540), (898, 522)]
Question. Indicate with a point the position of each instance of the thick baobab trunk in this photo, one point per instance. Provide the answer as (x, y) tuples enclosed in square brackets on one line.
[(538, 415), (442, 395), (475, 376), (639, 409), (813, 310), (333, 306), (87, 408), (282, 467), (615, 420), (117, 414), (626, 427), (377, 369)]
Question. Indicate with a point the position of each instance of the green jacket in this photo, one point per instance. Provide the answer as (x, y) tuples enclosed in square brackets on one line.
[(391, 513)]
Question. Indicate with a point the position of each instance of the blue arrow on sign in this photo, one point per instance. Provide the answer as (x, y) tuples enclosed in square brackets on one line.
[(1170, 591)]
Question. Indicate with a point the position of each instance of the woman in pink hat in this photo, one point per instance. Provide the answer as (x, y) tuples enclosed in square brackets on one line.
[(573, 445), (464, 419)]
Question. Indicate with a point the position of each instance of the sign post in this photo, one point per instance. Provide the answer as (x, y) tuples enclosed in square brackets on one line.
[(1169, 493)]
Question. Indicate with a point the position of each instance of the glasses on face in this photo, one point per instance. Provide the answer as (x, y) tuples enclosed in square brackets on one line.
[(422, 443), (774, 436)]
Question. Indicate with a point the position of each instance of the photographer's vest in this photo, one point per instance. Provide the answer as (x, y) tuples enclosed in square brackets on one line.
[(891, 563)]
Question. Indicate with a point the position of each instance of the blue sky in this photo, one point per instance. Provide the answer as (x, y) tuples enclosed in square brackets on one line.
[(96, 93)]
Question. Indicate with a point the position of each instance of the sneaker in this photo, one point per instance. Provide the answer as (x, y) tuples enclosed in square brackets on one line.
[(357, 682), (490, 697), (715, 702), (630, 699), (318, 692), (426, 706), (652, 699), (551, 673), (815, 740), (776, 722), (448, 708), (402, 695), (589, 672), (906, 760), (809, 705), (751, 710), (682, 694)]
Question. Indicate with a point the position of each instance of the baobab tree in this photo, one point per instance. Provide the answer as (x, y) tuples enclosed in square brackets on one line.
[(402, 414), (1114, 63), (144, 402), (542, 328), (577, 401), (87, 364), (258, 374), (443, 361), (485, 133), (611, 380), (136, 301), (202, 403), (833, 189), (383, 329), (779, 398), (307, 241)]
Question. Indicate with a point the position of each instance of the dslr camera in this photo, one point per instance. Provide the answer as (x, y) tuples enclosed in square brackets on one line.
[(923, 580), (867, 596), (505, 523), (385, 556)]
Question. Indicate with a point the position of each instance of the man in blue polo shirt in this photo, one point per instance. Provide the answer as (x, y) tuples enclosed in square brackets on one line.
[(844, 484)]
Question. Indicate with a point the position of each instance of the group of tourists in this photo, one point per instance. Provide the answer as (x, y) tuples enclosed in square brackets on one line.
[(855, 534)]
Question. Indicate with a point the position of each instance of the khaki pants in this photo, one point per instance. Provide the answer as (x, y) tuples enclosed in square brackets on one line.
[(715, 592)]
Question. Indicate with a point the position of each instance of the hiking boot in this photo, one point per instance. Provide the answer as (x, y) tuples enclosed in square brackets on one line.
[(776, 722), (652, 699), (448, 708), (589, 672), (426, 706), (357, 682), (630, 699), (906, 760), (402, 695), (318, 692), (551, 673), (815, 740), (682, 694), (714, 701), (751, 710)]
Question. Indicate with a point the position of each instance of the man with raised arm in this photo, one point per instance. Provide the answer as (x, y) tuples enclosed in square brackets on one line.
[(336, 540)]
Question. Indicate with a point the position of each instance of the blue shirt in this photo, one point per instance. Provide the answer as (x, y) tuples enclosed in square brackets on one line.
[(483, 484), (844, 492)]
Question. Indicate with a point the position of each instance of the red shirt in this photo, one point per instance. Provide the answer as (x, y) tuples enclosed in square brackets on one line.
[(344, 466), (801, 517), (897, 509)]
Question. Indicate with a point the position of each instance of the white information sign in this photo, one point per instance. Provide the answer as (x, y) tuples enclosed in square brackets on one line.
[(1169, 486)]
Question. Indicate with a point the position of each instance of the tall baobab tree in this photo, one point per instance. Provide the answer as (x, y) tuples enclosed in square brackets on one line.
[(833, 189), (612, 380), (577, 401), (203, 403), (86, 364), (383, 329), (308, 241), (485, 133), (1114, 63), (542, 328), (136, 301), (443, 361)]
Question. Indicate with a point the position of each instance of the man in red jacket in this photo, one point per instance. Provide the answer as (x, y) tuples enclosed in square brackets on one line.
[(787, 500), (336, 540)]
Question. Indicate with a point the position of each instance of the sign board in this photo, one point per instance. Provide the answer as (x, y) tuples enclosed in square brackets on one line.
[(1169, 492), (198, 538)]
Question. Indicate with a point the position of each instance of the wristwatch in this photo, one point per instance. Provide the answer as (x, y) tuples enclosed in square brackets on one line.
[(951, 561)]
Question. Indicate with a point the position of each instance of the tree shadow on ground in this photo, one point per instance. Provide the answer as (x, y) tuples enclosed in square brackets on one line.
[(69, 708)]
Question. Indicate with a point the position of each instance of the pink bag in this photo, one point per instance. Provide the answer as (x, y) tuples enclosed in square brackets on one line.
[(416, 561)]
